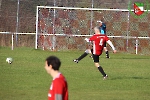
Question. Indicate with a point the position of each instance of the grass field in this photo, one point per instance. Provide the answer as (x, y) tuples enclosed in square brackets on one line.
[(26, 78)]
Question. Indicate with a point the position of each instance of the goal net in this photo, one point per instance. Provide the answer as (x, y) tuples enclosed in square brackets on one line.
[(63, 28)]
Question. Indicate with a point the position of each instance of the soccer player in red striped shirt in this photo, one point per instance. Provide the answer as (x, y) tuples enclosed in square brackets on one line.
[(98, 40), (59, 88)]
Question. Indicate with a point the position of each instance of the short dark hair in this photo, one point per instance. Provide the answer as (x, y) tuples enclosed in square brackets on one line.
[(54, 61)]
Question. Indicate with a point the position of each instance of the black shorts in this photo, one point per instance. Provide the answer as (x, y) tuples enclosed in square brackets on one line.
[(96, 58), (105, 44)]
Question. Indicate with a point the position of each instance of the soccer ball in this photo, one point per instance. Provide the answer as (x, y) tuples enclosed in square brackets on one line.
[(9, 60)]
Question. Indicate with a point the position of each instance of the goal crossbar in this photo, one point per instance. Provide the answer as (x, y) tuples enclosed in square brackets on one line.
[(93, 9), (76, 8)]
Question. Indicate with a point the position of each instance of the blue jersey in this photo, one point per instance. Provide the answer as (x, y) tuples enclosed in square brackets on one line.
[(102, 28)]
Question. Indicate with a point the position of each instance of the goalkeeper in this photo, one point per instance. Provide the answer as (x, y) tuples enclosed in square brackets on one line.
[(102, 28), (98, 40)]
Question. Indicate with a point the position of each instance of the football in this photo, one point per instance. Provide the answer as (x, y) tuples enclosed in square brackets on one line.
[(9, 60)]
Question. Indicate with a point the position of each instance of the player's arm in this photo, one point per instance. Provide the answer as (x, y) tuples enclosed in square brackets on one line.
[(112, 46), (58, 97), (89, 39), (92, 38)]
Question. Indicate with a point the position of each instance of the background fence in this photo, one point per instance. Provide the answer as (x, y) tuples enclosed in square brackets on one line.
[(21, 18)]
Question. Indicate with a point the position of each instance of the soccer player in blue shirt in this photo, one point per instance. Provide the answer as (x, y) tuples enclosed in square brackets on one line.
[(102, 28)]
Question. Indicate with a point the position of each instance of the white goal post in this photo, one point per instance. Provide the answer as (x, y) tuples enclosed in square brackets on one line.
[(59, 23), (65, 8)]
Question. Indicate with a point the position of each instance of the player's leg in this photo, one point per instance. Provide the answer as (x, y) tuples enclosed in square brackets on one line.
[(91, 54), (82, 56), (96, 62), (106, 51)]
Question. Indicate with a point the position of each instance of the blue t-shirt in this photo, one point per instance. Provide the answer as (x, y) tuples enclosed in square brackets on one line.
[(102, 28)]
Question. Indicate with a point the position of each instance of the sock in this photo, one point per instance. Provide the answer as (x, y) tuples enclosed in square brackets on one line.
[(82, 56), (107, 54), (102, 71)]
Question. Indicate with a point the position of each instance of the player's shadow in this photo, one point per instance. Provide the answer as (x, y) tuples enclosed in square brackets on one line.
[(130, 58), (134, 77)]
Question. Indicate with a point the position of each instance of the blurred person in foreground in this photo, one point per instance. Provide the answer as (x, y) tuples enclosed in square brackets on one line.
[(59, 88)]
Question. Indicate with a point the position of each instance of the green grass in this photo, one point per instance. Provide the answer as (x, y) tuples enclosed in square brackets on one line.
[(26, 78)]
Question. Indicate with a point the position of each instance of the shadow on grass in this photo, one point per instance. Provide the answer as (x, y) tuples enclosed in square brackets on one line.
[(134, 77), (130, 58)]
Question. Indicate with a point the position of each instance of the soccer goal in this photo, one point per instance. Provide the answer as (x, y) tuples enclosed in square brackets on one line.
[(63, 28)]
